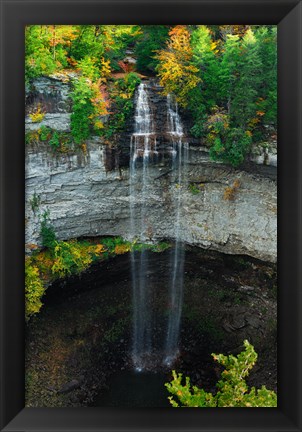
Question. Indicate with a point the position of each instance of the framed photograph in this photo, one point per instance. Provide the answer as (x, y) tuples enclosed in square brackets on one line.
[(162, 243)]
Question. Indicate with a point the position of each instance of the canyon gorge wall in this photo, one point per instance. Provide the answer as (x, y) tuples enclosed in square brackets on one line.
[(85, 199)]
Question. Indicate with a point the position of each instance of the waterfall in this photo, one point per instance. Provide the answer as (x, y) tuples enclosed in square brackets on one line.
[(142, 150), (179, 163), (145, 350)]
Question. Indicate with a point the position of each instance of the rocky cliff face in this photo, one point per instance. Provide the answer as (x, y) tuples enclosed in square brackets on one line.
[(84, 198)]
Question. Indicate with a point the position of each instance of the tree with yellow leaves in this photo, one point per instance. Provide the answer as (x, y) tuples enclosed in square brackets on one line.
[(176, 70)]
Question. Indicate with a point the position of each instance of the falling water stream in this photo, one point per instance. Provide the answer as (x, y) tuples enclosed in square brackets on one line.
[(141, 153), (142, 156), (179, 163)]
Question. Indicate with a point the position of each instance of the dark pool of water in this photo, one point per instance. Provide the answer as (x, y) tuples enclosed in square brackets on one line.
[(134, 389), (87, 322)]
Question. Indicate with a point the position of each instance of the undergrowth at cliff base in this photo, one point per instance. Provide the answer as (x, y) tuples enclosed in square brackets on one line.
[(60, 259)]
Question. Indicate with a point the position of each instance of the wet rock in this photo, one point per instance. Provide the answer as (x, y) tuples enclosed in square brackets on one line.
[(227, 327), (233, 322), (238, 321), (50, 94), (72, 385), (253, 321), (246, 288), (264, 153)]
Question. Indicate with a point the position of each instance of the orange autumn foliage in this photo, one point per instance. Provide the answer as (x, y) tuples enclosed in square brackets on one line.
[(231, 191), (176, 71)]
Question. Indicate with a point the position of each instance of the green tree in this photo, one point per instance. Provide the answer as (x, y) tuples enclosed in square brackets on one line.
[(122, 37), (229, 73), (232, 389), (247, 85), (82, 109), (206, 59), (91, 41), (230, 69), (230, 145), (152, 39), (38, 57), (266, 37), (122, 105), (47, 48), (47, 231), (89, 68)]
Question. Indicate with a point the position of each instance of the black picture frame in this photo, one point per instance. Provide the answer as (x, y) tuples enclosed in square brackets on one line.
[(15, 14)]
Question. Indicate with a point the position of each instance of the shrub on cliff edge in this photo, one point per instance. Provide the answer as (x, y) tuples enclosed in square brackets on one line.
[(232, 390)]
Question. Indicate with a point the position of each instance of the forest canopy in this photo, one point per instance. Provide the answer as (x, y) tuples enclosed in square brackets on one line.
[(224, 77)]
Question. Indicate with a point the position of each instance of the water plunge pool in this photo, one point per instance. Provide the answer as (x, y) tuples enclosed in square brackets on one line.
[(135, 389), (78, 348)]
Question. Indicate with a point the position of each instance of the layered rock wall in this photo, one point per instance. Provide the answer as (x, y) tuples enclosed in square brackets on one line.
[(87, 194), (83, 199)]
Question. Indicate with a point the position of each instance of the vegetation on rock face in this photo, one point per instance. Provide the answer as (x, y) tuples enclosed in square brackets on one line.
[(224, 76), (37, 116), (232, 389), (34, 202), (59, 259), (47, 232), (89, 106), (230, 192), (194, 189), (34, 289), (121, 97), (59, 142), (69, 258), (82, 110)]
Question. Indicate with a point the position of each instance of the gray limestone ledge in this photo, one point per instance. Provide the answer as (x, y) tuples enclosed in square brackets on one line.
[(55, 121), (85, 200)]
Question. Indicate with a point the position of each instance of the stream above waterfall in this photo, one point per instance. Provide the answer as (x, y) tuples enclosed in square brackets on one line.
[(79, 346)]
